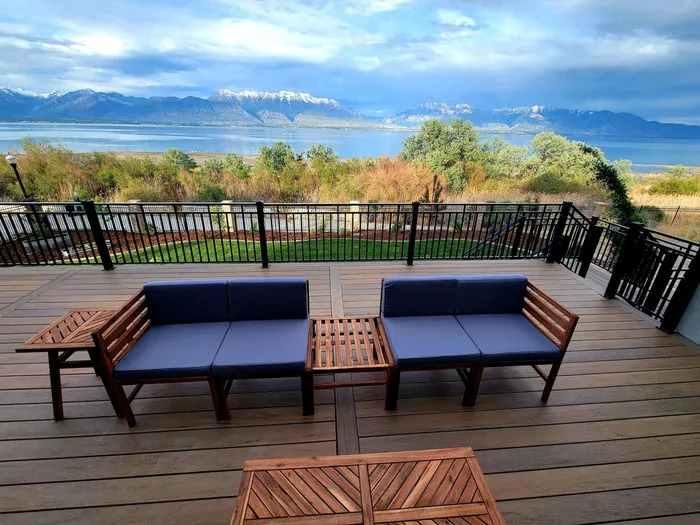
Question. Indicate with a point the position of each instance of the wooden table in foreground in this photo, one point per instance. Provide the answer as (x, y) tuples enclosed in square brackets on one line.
[(60, 340), (438, 486)]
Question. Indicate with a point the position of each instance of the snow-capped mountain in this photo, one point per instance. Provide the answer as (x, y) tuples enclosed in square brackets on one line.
[(247, 108), (289, 104), (289, 109), (537, 118)]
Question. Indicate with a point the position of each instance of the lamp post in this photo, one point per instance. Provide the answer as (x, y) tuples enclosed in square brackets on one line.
[(12, 161)]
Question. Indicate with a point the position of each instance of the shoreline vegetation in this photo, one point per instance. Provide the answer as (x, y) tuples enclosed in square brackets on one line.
[(444, 162)]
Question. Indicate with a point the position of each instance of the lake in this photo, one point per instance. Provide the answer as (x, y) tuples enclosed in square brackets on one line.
[(345, 142)]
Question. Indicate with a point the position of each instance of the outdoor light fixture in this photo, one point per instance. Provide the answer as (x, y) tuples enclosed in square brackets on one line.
[(12, 161)]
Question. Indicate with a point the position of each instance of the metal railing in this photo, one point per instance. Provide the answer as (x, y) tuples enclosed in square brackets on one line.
[(154, 233), (654, 271)]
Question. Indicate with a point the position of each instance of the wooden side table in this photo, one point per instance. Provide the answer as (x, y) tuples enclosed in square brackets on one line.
[(348, 344), (60, 340), (444, 485)]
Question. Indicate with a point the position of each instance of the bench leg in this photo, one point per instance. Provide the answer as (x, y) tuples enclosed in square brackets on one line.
[(550, 381), (56, 393), (472, 387), (219, 399), (123, 403), (392, 388), (307, 393)]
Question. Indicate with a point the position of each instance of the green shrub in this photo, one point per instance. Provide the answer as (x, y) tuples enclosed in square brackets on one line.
[(677, 185)]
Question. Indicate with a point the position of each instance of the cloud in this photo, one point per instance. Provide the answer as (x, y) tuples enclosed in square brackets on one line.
[(382, 54), (451, 17), (369, 7)]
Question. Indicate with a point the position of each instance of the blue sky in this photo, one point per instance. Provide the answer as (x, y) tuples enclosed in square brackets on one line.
[(377, 56)]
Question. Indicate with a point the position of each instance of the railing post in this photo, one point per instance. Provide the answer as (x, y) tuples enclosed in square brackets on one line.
[(412, 235), (661, 280), (260, 206), (624, 260), (518, 237), (555, 252), (589, 245), (681, 298), (97, 234)]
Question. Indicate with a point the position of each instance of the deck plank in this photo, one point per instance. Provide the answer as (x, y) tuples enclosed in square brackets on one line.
[(619, 439)]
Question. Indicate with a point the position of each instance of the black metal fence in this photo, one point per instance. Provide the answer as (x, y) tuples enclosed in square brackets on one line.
[(653, 271), (154, 233)]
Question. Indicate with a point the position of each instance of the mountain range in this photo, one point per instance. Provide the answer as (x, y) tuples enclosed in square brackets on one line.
[(293, 109)]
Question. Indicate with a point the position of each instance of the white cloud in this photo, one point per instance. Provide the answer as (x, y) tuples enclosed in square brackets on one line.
[(452, 17), (369, 7), (367, 63)]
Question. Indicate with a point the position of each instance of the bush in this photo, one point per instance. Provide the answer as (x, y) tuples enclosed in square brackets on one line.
[(677, 185), (652, 214)]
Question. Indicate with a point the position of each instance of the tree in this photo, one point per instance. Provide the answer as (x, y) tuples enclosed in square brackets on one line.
[(179, 159), (503, 159), (274, 159), (445, 148), (621, 207), (677, 171), (321, 152)]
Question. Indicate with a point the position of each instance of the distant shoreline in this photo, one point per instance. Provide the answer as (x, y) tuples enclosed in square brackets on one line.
[(364, 126)]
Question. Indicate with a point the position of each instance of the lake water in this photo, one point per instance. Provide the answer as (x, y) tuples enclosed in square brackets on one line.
[(346, 143)]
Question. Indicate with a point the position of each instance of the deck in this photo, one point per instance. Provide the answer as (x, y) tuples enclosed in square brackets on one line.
[(618, 441)]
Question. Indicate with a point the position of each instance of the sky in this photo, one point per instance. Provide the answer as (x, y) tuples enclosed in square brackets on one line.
[(377, 56)]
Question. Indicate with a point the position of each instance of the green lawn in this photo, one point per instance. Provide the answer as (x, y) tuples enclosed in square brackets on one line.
[(308, 250)]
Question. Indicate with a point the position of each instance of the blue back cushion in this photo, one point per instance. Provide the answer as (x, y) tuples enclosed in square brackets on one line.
[(256, 299), (411, 296), (176, 302), (490, 294)]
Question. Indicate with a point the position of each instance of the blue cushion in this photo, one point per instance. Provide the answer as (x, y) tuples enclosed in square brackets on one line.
[(170, 351), (490, 294), (508, 338), (428, 341), (198, 301), (263, 348), (407, 296), (273, 298)]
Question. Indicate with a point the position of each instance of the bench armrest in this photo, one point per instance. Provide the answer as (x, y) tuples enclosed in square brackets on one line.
[(121, 331), (550, 317)]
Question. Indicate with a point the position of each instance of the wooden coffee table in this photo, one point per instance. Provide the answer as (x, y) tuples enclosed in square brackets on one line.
[(348, 344), (443, 485), (71, 333)]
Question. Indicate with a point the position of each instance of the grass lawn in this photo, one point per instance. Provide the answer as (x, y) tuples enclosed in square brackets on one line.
[(336, 249)]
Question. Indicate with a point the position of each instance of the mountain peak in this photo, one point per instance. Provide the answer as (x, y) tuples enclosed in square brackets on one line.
[(274, 97)]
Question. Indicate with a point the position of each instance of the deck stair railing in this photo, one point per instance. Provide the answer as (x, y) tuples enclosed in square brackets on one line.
[(653, 271)]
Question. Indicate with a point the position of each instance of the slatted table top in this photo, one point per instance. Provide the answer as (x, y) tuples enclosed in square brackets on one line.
[(73, 331), (348, 344), (426, 486)]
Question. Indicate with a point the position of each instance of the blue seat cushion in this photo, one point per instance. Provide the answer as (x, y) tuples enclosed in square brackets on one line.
[(490, 294), (263, 348), (197, 301), (268, 298), (508, 338), (171, 351), (408, 296), (434, 340)]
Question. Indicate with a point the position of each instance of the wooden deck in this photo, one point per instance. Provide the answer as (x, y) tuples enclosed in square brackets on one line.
[(618, 441)]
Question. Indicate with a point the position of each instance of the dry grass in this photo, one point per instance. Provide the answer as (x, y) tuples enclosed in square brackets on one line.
[(640, 197)]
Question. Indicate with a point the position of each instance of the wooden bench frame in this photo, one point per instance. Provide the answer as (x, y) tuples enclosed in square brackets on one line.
[(114, 340), (550, 317)]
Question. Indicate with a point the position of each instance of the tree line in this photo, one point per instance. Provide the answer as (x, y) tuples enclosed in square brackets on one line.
[(439, 163)]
